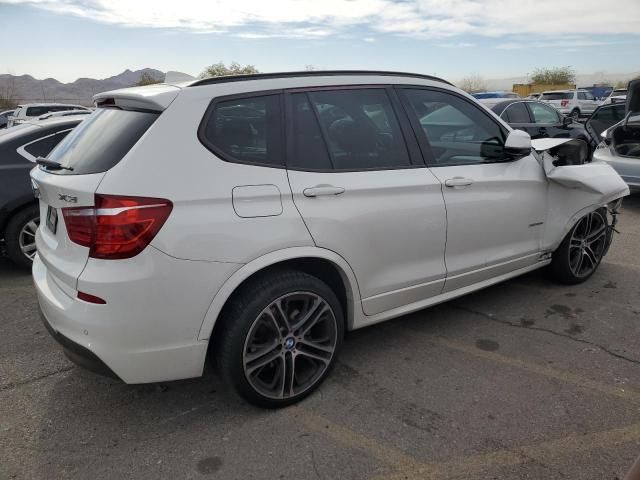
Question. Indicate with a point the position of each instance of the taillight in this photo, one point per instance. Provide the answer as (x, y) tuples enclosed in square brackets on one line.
[(117, 227), (564, 103)]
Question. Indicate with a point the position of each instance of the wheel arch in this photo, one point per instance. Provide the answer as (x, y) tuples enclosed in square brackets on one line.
[(325, 264)]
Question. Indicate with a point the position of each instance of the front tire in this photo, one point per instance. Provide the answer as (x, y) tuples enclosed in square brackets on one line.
[(20, 236), (582, 250), (279, 338), (575, 114)]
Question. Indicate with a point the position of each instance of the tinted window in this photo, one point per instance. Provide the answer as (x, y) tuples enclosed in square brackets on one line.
[(516, 113), (607, 116), (360, 129), (36, 111), (42, 148), (582, 96), (247, 129), (14, 138), (557, 96), (308, 148), (101, 140), (589, 96), (543, 113), (458, 131)]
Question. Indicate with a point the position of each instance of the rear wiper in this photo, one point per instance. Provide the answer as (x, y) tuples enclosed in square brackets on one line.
[(51, 164)]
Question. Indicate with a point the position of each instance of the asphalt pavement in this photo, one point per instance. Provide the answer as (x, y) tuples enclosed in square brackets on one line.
[(523, 380)]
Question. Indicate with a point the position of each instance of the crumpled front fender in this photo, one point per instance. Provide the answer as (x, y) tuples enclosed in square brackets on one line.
[(574, 190)]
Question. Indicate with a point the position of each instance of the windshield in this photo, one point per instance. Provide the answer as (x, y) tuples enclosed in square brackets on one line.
[(557, 96), (101, 140)]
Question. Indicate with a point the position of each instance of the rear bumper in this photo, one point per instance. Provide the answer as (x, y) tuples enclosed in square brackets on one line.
[(78, 354), (148, 329)]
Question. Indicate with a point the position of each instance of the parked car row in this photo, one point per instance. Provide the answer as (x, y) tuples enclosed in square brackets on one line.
[(255, 219), (29, 111), (20, 146)]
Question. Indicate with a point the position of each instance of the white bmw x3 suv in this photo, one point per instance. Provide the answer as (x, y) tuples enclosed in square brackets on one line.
[(256, 219)]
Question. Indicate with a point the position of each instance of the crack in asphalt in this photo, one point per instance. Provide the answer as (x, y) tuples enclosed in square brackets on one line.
[(12, 385), (548, 330)]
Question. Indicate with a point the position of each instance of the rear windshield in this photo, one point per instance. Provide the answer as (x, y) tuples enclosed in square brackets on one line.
[(557, 96), (101, 140)]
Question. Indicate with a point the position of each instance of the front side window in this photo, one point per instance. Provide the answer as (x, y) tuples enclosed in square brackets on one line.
[(359, 128), (516, 113), (458, 131), (247, 130), (582, 96), (543, 113)]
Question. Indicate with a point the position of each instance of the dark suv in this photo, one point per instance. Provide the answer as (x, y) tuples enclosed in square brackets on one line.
[(19, 213)]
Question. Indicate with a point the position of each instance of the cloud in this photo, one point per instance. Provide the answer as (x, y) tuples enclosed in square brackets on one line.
[(313, 19)]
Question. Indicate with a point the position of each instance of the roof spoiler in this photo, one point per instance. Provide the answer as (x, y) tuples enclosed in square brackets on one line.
[(151, 97)]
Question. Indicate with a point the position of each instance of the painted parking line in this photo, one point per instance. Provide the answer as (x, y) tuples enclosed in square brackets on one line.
[(562, 375), (389, 456), (544, 452), (406, 467)]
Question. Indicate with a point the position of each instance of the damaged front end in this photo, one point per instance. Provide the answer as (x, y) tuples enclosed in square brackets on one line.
[(576, 186)]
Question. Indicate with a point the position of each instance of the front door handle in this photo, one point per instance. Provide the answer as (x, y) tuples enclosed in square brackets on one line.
[(458, 182), (322, 190)]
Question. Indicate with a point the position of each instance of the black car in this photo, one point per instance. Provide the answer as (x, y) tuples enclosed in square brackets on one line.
[(541, 120), (604, 117), (19, 210)]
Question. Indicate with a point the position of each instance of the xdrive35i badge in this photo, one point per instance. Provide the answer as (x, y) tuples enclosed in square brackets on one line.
[(68, 198)]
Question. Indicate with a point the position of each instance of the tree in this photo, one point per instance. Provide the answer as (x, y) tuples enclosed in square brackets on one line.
[(147, 79), (473, 83), (553, 76), (220, 70), (7, 95)]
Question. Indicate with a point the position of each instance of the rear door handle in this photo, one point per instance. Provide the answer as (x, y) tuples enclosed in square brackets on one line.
[(322, 190), (458, 182)]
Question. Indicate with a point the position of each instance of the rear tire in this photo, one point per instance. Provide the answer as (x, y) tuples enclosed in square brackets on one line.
[(279, 338), (582, 250), (20, 236)]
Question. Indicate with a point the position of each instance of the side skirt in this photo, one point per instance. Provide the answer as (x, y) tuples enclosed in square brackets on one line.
[(428, 302)]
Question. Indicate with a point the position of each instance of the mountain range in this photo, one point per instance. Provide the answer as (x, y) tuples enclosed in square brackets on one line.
[(25, 88)]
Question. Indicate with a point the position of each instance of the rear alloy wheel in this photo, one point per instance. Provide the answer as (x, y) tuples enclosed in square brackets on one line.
[(20, 236), (582, 250), (575, 114), (280, 338)]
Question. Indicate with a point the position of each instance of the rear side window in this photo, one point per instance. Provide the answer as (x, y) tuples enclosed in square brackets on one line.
[(101, 140), (557, 96), (516, 113), (354, 129), (246, 130)]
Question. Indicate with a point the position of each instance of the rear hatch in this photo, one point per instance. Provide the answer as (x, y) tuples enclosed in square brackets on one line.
[(557, 99), (84, 157)]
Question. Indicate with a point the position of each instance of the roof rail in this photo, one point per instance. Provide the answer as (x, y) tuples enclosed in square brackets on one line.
[(313, 73)]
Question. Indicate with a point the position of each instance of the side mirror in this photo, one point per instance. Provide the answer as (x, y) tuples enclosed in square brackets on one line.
[(573, 152), (566, 121), (518, 144)]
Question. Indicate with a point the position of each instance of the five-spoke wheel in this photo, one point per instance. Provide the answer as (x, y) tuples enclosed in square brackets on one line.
[(280, 337), (580, 253)]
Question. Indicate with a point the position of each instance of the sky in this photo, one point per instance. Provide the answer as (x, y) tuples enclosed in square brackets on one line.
[(67, 39)]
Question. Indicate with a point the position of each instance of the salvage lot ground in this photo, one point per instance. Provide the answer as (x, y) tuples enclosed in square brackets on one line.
[(524, 380)]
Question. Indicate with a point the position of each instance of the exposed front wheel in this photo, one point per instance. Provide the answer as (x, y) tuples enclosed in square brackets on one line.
[(582, 250), (280, 338), (20, 236)]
